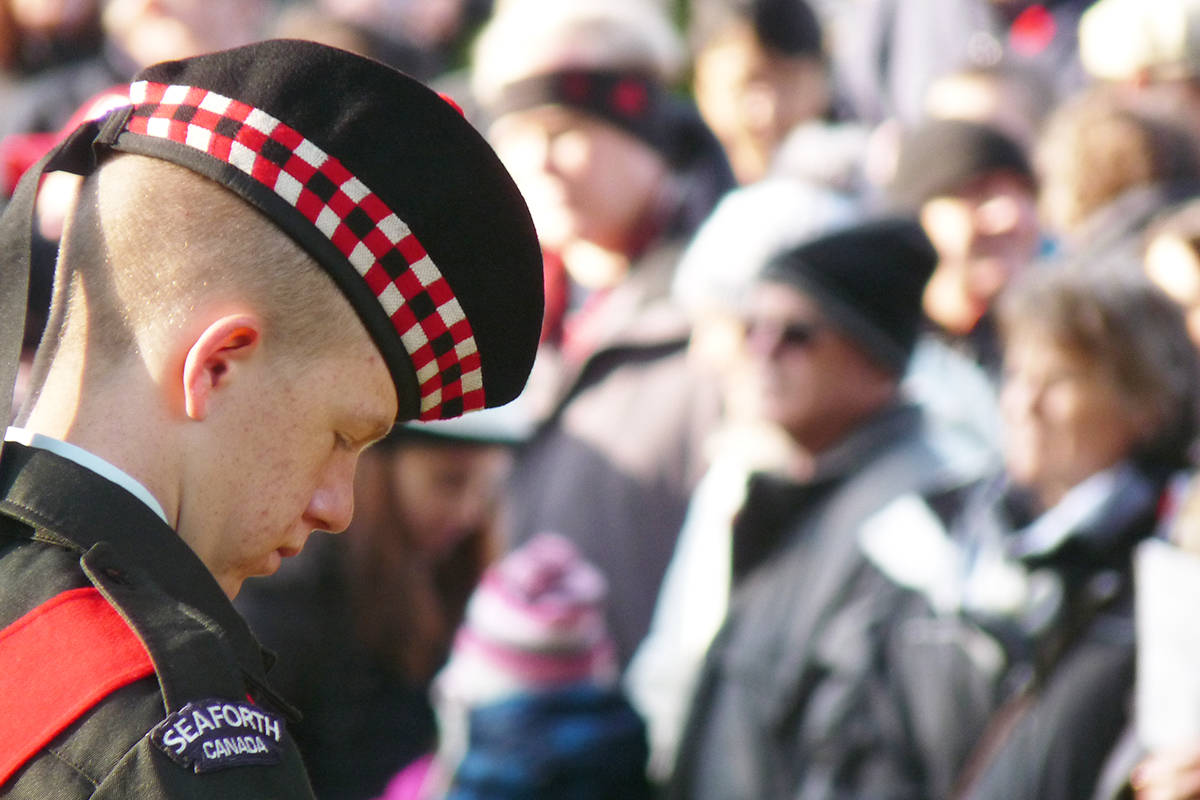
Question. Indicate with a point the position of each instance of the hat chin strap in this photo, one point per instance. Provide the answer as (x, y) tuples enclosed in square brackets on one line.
[(78, 154)]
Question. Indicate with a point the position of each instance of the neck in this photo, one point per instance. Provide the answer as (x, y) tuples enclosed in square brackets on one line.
[(816, 440), (1049, 495), (113, 419)]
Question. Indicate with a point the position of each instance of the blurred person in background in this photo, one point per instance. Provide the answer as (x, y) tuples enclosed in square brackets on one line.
[(757, 221), (528, 704), (887, 53), (618, 172), (974, 191), (1099, 404), (1108, 165), (136, 33), (798, 695), (759, 70), (1146, 50), (363, 622)]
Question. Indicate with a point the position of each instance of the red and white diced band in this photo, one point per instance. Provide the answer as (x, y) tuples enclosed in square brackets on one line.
[(410, 288)]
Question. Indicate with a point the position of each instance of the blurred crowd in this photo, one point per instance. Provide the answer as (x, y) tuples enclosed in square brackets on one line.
[(859, 458)]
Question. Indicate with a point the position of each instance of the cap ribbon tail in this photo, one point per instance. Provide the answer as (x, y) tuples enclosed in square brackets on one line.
[(75, 154)]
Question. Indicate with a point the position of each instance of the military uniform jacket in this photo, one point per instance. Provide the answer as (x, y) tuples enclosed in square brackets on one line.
[(125, 672)]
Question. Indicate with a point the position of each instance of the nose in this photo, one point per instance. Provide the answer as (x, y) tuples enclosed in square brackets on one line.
[(1020, 397), (762, 341), (331, 506), (997, 215), (567, 152), (760, 107)]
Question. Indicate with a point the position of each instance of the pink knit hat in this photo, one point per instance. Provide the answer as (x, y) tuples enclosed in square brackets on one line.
[(536, 621)]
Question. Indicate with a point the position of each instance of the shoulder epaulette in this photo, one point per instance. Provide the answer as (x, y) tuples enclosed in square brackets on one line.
[(57, 662)]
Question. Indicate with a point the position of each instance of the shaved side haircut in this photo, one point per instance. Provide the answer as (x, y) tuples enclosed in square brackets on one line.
[(150, 243)]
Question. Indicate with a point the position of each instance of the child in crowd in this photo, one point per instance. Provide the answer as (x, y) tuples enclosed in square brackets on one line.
[(528, 705)]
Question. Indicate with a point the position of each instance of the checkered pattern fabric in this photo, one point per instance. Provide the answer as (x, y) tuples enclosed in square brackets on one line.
[(411, 290)]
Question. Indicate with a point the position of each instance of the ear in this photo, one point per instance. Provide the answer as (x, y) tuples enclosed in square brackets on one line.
[(213, 356)]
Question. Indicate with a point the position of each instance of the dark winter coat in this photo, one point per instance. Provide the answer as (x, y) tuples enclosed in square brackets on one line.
[(621, 446), (829, 680)]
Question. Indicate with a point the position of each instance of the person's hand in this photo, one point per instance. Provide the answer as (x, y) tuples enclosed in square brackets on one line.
[(1168, 775)]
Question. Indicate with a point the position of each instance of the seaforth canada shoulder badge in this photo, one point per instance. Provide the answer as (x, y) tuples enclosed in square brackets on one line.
[(214, 734)]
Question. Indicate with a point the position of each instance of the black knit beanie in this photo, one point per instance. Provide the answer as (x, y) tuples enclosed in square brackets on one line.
[(868, 281)]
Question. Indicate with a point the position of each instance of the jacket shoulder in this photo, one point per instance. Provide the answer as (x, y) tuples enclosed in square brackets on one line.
[(81, 650), (67, 660), (111, 729)]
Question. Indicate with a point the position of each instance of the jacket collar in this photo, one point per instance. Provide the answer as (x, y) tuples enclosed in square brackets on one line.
[(876, 433), (774, 501), (72, 506)]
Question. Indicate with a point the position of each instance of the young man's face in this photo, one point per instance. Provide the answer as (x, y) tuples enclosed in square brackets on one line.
[(284, 445)]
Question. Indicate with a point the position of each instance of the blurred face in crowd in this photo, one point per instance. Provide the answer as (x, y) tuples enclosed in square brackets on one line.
[(583, 178), (446, 491), (984, 234), (168, 29), (751, 97), (1065, 416), (811, 380), (51, 16)]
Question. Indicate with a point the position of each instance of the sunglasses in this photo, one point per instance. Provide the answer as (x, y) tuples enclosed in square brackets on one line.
[(790, 334)]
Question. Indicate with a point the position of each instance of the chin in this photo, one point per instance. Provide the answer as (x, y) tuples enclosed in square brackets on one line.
[(269, 565), (1024, 474)]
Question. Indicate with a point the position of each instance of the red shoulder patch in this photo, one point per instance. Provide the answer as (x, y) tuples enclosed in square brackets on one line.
[(56, 662)]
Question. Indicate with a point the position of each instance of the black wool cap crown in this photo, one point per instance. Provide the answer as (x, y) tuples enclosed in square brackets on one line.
[(868, 281), (381, 180)]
